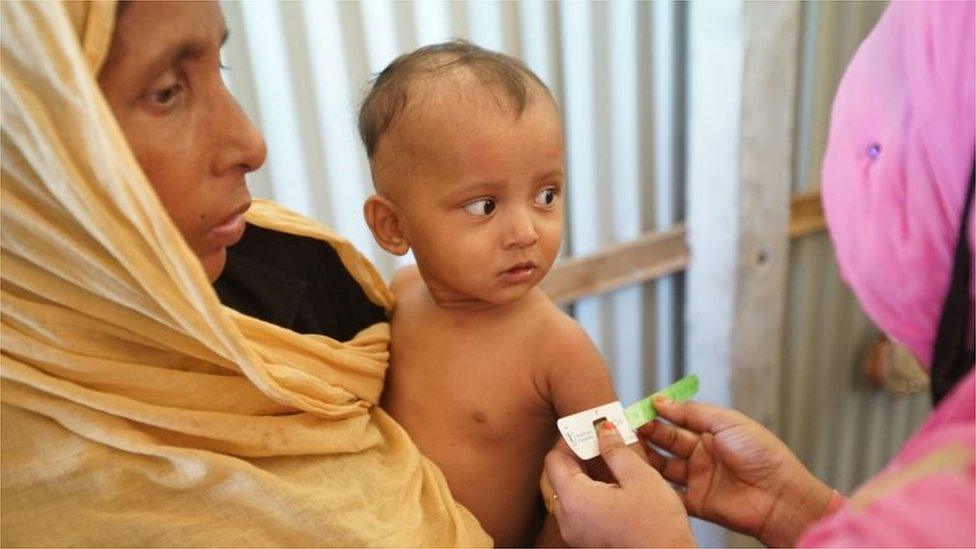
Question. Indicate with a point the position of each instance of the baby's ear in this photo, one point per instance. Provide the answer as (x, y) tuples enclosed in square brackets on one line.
[(383, 218)]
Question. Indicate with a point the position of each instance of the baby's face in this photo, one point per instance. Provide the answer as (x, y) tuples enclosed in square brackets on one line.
[(480, 193)]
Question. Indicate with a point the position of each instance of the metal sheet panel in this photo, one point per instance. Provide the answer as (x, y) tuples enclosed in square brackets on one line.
[(840, 426)]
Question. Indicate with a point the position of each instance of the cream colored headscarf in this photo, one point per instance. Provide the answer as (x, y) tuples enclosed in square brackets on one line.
[(137, 410)]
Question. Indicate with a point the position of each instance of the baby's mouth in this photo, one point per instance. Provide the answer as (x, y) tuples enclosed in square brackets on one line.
[(519, 272)]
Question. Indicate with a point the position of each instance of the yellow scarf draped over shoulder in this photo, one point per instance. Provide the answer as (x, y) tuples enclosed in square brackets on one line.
[(136, 409)]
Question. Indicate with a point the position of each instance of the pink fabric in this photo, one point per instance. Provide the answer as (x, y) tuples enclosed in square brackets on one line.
[(894, 219), (937, 510), (898, 161), (836, 503)]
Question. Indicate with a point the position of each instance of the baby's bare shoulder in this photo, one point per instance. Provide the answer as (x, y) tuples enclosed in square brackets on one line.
[(407, 286), (553, 329), (572, 374), (405, 279)]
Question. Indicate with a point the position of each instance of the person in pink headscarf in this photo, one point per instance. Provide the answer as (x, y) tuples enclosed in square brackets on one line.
[(897, 188)]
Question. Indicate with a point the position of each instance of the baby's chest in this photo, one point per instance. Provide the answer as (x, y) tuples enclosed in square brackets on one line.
[(464, 384)]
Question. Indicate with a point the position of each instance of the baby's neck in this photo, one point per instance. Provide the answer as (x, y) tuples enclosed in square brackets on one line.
[(453, 304)]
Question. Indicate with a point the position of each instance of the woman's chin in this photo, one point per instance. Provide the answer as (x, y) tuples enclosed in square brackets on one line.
[(214, 263)]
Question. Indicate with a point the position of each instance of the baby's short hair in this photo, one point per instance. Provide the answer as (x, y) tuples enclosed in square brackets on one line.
[(388, 96)]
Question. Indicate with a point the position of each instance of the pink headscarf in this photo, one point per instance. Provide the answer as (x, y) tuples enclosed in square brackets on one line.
[(895, 176), (898, 163)]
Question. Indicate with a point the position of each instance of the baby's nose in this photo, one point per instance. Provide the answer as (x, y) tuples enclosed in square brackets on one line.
[(522, 233)]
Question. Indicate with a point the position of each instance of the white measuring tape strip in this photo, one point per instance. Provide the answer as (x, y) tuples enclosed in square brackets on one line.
[(579, 429)]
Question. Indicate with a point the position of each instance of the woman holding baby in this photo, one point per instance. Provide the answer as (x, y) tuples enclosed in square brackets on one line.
[(170, 378), (157, 388)]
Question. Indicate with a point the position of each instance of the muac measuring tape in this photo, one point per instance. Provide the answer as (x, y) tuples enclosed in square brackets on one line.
[(579, 429)]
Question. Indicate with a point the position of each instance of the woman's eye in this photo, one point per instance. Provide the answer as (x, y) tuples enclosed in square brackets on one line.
[(166, 96), (481, 207), (546, 197)]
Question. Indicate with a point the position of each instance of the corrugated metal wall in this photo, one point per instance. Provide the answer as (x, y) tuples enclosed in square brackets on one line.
[(300, 68), (843, 428), (840, 426), (618, 69)]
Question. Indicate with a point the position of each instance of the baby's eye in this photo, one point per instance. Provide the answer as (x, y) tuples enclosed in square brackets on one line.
[(166, 96), (481, 207), (546, 197)]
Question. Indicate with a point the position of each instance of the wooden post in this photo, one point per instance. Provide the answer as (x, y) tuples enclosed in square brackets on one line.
[(765, 169), (743, 74), (743, 70)]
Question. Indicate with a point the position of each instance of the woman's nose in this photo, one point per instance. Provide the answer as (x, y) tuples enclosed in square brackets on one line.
[(521, 231), (242, 145)]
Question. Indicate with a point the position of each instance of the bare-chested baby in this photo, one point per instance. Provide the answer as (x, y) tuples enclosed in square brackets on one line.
[(466, 151)]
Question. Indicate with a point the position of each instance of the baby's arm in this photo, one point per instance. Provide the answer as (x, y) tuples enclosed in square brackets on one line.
[(576, 379)]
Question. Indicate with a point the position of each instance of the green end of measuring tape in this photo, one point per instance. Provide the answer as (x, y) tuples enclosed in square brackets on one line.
[(643, 411)]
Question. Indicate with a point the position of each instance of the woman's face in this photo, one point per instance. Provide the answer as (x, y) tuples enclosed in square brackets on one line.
[(163, 81)]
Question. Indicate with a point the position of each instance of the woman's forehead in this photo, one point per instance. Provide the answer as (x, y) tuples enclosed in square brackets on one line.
[(157, 33)]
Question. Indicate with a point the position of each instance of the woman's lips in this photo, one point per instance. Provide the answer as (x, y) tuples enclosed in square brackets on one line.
[(519, 273), (230, 230)]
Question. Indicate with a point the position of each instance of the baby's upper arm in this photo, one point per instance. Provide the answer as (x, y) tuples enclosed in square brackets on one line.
[(578, 380), (576, 374)]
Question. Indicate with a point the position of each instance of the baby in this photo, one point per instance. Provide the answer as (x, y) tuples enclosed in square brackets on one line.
[(466, 151)]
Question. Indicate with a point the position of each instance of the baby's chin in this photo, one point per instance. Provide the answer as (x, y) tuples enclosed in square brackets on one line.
[(508, 294), (480, 292), (505, 297), (480, 298)]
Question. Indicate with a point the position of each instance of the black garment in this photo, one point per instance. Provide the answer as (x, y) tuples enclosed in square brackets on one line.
[(294, 282), (953, 353)]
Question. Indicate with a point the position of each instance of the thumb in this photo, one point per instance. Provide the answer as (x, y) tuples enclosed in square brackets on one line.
[(625, 465)]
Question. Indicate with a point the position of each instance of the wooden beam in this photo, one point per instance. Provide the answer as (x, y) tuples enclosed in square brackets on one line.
[(806, 214), (649, 256), (654, 255)]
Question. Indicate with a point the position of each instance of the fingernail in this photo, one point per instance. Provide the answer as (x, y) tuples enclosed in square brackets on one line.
[(607, 427), (663, 400)]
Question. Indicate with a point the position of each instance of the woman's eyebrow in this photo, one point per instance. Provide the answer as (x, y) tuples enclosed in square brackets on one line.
[(189, 48)]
